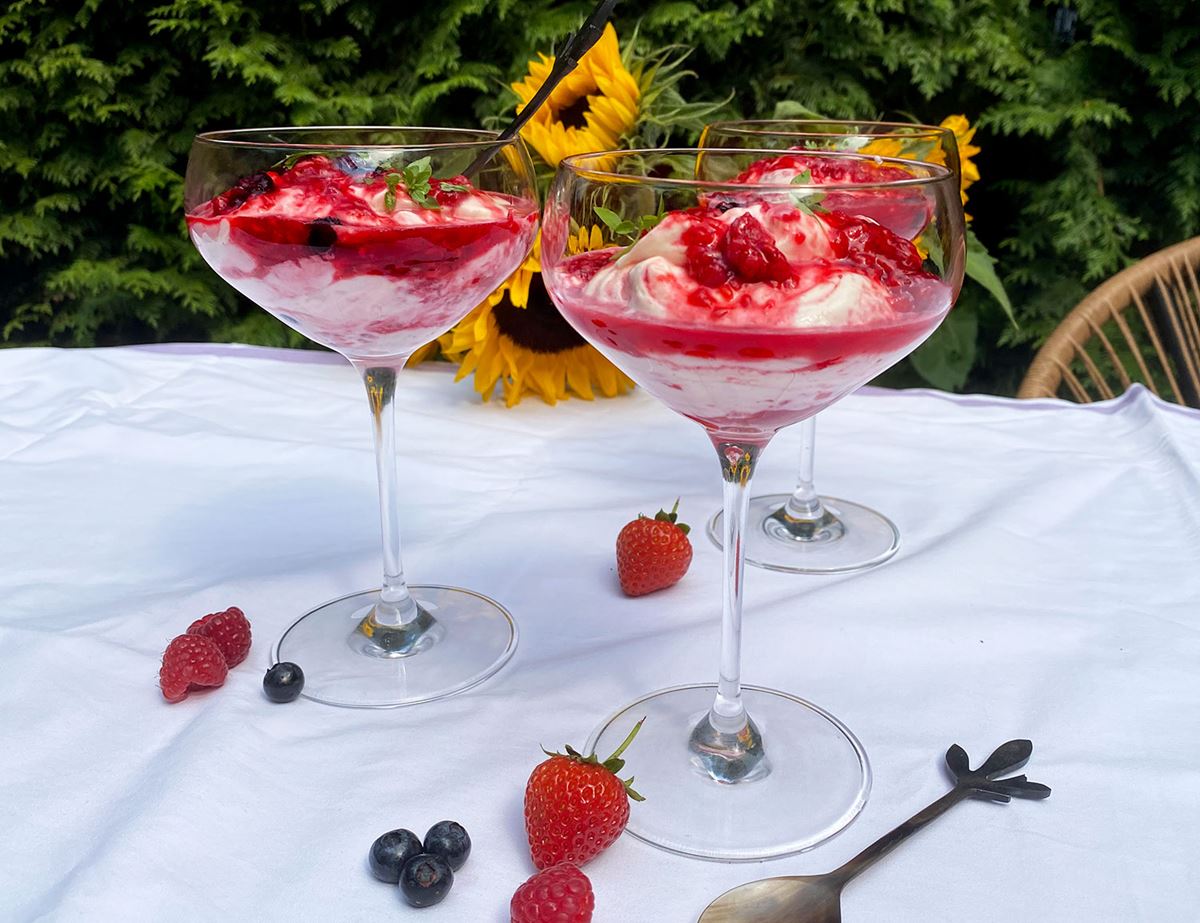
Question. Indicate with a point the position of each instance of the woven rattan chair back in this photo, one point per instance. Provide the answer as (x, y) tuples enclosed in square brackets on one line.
[(1142, 325)]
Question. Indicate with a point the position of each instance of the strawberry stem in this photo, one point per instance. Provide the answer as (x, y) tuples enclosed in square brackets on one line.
[(628, 740)]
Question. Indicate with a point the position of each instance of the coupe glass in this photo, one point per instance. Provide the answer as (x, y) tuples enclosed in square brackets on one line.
[(369, 241), (731, 771), (804, 532)]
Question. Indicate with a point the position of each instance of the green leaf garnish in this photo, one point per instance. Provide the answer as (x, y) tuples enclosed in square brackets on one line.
[(455, 187), (415, 177), (615, 222), (624, 227), (393, 181), (808, 202)]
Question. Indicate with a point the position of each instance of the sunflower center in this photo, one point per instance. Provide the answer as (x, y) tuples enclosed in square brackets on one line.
[(538, 326), (573, 115)]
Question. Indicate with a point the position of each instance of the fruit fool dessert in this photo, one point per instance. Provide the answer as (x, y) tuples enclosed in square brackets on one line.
[(368, 261), (749, 317)]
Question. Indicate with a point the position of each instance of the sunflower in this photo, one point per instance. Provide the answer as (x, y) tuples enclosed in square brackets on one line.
[(963, 135), (518, 339), (590, 110)]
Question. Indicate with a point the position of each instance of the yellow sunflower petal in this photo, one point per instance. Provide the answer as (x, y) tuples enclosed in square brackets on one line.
[(579, 380), (606, 87)]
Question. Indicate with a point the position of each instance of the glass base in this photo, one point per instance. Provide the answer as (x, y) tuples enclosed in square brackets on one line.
[(853, 537), (468, 638), (816, 781)]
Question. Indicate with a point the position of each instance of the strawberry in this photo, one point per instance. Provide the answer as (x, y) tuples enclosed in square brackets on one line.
[(575, 806), (652, 554), (561, 894), (190, 660), (229, 629)]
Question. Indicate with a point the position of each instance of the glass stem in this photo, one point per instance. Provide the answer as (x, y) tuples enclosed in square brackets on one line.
[(804, 502), (396, 607), (728, 712), (726, 745)]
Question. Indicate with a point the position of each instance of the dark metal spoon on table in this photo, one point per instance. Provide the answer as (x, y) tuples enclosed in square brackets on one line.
[(817, 898)]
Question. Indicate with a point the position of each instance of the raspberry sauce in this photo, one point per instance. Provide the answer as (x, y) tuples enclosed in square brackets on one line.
[(353, 261)]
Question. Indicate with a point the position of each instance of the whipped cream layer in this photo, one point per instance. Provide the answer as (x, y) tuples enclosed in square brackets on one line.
[(657, 277), (354, 261), (748, 317)]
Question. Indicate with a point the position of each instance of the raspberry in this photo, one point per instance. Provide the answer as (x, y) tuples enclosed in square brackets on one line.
[(246, 188), (884, 255), (706, 266), (752, 253), (229, 629), (561, 894), (190, 660), (449, 196)]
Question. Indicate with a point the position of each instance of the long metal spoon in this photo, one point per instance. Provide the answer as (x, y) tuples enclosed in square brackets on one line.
[(565, 61), (817, 898)]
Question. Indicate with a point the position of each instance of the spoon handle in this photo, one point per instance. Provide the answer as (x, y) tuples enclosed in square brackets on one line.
[(893, 838), (577, 45), (981, 782)]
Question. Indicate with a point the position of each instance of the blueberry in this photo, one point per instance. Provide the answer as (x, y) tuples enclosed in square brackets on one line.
[(426, 879), (247, 187), (391, 851), (255, 184), (283, 682), (321, 233), (450, 841)]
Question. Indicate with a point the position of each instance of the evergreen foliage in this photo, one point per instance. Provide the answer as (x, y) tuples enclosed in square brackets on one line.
[(1090, 135)]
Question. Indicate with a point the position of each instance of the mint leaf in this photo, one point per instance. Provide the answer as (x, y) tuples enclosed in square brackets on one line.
[(624, 227), (455, 187), (612, 220), (807, 202), (393, 181), (416, 176)]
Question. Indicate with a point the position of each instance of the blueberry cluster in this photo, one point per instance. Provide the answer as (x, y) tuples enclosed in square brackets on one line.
[(424, 870)]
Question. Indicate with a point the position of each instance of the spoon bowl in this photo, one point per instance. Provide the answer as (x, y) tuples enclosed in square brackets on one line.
[(795, 899)]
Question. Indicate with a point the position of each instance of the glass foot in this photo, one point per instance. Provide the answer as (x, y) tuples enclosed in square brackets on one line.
[(853, 537), (466, 638), (816, 781)]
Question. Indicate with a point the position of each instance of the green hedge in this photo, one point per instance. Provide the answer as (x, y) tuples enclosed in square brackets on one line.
[(1091, 141)]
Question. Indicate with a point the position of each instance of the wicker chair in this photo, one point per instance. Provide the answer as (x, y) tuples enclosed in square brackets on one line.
[(1141, 325)]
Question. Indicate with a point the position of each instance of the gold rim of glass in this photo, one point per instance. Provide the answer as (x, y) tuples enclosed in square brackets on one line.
[(242, 138), (788, 127), (576, 164)]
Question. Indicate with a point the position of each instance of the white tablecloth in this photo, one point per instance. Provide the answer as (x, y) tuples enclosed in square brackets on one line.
[(1048, 586)]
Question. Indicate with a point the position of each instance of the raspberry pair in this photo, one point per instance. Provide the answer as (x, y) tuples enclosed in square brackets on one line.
[(204, 655)]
